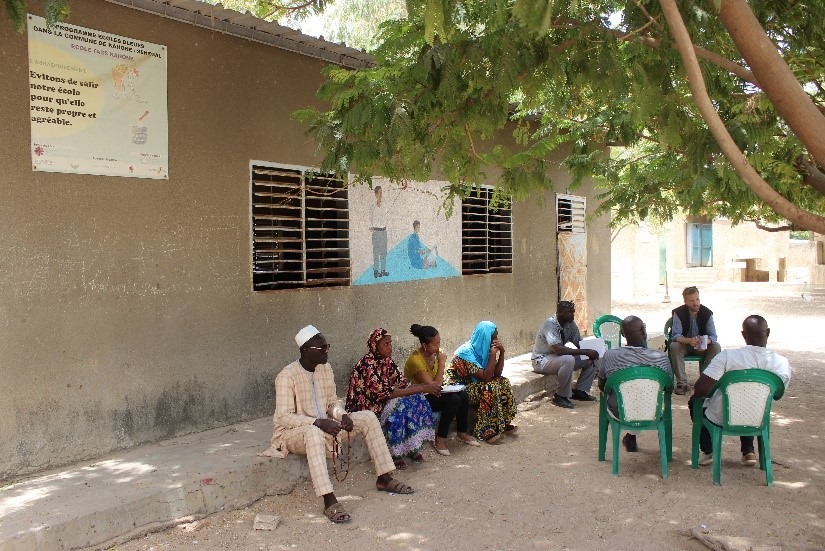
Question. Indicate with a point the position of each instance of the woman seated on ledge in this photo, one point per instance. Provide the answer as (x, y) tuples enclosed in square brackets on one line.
[(377, 385), (426, 366), (478, 364)]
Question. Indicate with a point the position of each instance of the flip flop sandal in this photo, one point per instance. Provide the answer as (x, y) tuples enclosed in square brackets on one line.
[(510, 429), (418, 458), (400, 464), (337, 514), (396, 487)]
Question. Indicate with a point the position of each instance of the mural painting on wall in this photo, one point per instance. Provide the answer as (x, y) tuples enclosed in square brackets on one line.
[(400, 233), (97, 102)]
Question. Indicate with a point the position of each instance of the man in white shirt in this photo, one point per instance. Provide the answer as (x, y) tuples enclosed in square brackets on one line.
[(378, 227), (755, 355)]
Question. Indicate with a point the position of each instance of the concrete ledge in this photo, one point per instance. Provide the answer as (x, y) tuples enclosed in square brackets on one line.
[(101, 503)]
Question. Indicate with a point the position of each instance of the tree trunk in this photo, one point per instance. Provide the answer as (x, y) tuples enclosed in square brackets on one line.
[(797, 216), (775, 77)]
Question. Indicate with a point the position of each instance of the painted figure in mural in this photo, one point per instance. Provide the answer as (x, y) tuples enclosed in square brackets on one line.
[(376, 384), (426, 365), (693, 333), (124, 79), (755, 355), (421, 257), (308, 418), (477, 364), (378, 227), (551, 356), (634, 352)]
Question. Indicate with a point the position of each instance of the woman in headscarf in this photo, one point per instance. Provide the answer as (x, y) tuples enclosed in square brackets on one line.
[(376, 384), (478, 364)]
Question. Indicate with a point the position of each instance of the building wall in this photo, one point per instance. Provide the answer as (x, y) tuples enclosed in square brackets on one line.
[(739, 252), (126, 306)]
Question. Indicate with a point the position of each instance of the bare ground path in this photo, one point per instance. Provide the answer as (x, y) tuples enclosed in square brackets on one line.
[(544, 489)]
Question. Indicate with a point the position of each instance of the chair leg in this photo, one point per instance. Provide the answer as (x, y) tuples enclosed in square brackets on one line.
[(694, 443), (668, 419), (765, 456), (617, 431), (602, 434), (716, 438), (663, 449)]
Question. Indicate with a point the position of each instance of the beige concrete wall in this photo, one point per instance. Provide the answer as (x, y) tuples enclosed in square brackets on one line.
[(126, 309)]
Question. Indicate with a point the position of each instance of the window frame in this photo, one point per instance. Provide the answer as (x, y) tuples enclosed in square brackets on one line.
[(303, 240), (486, 234)]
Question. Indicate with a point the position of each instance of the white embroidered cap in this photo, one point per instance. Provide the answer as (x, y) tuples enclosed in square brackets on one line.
[(305, 334)]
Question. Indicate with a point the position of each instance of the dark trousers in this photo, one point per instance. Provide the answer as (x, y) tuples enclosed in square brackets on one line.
[(452, 405), (705, 444)]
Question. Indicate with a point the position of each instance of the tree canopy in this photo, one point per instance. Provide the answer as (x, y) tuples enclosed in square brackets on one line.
[(573, 78), (711, 108)]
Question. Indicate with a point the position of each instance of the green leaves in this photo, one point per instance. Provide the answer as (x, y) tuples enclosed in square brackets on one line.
[(54, 11), (464, 90)]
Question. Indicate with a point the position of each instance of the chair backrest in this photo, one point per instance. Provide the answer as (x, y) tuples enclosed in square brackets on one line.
[(747, 395), (609, 328), (639, 392), (668, 328)]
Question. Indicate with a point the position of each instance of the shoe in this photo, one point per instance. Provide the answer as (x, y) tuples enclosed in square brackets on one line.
[(681, 389), (562, 402), (749, 459), (582, 396), (492, 439), (705, 458), (376, 274), (444, 452), (471, 442), (385, 273), (629, 441), (510, 430)]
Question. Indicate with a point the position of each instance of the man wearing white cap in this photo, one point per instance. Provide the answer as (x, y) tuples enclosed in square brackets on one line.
[(308, 416)]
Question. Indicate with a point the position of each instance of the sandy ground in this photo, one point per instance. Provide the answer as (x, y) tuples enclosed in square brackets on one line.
[(545, 489)]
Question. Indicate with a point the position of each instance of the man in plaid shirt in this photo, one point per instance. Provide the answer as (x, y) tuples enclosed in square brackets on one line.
[(308, 417)]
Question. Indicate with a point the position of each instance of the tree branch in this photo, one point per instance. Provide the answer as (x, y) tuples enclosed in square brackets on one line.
[(773, 229), (779, 83), (811, 175), (751, 178)]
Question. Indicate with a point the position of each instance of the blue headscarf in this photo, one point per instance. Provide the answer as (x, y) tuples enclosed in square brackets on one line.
[(477, 349)]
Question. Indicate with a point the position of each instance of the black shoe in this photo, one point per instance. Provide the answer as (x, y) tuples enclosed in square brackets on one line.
[(385, 273), (376, 274), (562, 402), (582, 396), (629, 441)]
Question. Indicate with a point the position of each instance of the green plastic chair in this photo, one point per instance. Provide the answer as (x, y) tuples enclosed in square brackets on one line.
[(688, 358), (609, 327), (643, 399), (747, 395)]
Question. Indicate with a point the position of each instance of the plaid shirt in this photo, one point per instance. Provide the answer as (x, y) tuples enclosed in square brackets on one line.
[(295, 405)]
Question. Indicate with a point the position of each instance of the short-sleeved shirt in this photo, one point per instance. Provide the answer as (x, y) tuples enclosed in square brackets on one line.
[(552, 333), (747, 357), (628, 356), (417, 363)]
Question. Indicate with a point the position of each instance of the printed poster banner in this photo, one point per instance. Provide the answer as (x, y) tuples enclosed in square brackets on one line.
[(98, 102)]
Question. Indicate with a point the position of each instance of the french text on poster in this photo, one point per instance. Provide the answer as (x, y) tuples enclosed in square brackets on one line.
[(97, 101)]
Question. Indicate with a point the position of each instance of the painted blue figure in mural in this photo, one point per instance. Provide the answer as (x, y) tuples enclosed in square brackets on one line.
[(421, 257), (378, 227)]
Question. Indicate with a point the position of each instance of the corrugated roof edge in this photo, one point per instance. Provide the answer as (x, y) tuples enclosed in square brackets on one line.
[(249, 27)]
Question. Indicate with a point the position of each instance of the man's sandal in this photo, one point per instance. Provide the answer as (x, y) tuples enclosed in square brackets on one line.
[(337, 514), (396, 487)]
